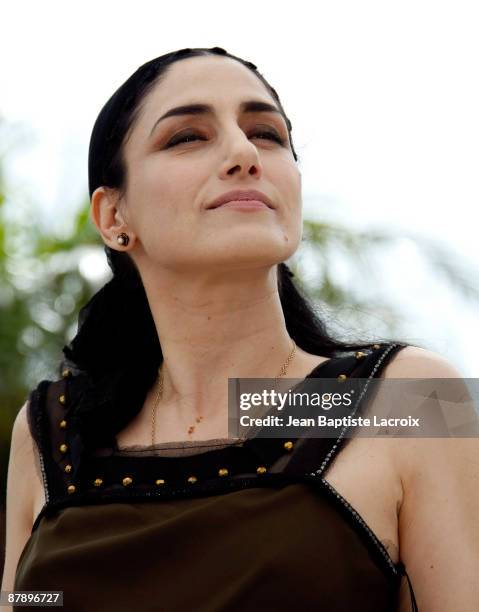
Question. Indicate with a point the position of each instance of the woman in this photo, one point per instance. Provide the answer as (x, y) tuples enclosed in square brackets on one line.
[(144, 501)]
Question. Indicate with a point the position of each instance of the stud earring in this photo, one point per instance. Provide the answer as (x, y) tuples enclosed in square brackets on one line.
[(123, 239)]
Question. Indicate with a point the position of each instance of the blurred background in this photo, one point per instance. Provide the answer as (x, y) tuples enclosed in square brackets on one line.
[(383, 98)]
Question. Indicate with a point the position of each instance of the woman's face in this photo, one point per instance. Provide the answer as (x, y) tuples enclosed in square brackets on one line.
[(170, 185)]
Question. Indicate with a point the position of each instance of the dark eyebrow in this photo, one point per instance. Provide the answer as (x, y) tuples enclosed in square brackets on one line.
[(250, 106)]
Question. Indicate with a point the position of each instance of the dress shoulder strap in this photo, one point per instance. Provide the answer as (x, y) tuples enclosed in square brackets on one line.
[(370, 366), (48, 416), (366, 364), (369, 362)]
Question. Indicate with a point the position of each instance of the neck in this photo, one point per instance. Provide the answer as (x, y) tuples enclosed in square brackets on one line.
[(212, 329)]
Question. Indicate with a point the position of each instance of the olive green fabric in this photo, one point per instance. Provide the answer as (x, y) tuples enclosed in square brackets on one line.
[(250, 550)]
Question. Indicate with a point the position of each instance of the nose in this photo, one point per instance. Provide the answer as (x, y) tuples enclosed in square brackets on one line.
[(241, 158)]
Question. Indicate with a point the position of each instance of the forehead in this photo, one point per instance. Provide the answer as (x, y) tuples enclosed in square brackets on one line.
[(210, 79)]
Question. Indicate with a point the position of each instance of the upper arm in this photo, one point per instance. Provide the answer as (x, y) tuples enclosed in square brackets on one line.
[(22, 480), (439, 513)]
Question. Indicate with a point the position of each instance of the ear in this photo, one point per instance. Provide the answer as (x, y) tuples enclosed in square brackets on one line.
[(106, 214)]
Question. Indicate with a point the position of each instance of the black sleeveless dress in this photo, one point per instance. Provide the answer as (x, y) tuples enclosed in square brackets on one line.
[(201, 528)]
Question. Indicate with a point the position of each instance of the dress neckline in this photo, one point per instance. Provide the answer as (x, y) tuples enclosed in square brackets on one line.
[(184, 445)]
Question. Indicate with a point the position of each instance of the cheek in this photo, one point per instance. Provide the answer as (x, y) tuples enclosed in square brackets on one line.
[(285, 173), (159, 195), (295, 179), (291, 190), (175, 185), (289, 185)]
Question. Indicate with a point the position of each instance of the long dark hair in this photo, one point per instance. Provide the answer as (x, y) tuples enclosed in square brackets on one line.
[(116, 348)]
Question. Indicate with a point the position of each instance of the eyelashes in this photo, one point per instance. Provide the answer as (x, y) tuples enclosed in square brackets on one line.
[(191, 136)]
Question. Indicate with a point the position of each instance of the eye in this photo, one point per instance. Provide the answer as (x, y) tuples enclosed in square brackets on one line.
[(183, 137), (192, 136), (273, 135)]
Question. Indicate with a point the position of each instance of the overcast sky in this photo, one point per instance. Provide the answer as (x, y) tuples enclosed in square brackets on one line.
[(383, 97)]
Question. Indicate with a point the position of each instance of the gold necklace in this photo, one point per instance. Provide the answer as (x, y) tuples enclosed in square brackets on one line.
[(191, 428)]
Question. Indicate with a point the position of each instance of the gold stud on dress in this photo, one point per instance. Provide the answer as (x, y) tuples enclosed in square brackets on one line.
[(360, 354), (63, 424), (342, 377), (261, 469), (62, 399), (159, 482), (63, 448), (192, 479), (66, 373), (71, 489), (288, 445), (127, 481), (98, 482), (223, 472), (376, 346), (68, 468)]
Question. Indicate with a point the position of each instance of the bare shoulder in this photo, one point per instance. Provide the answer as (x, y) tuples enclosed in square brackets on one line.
[(24, 465), (23, 453), (22, 481), (437, 522), (21, 437), (416, 362)]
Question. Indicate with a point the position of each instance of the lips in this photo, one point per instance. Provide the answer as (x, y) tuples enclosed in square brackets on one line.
[(241, 194)]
